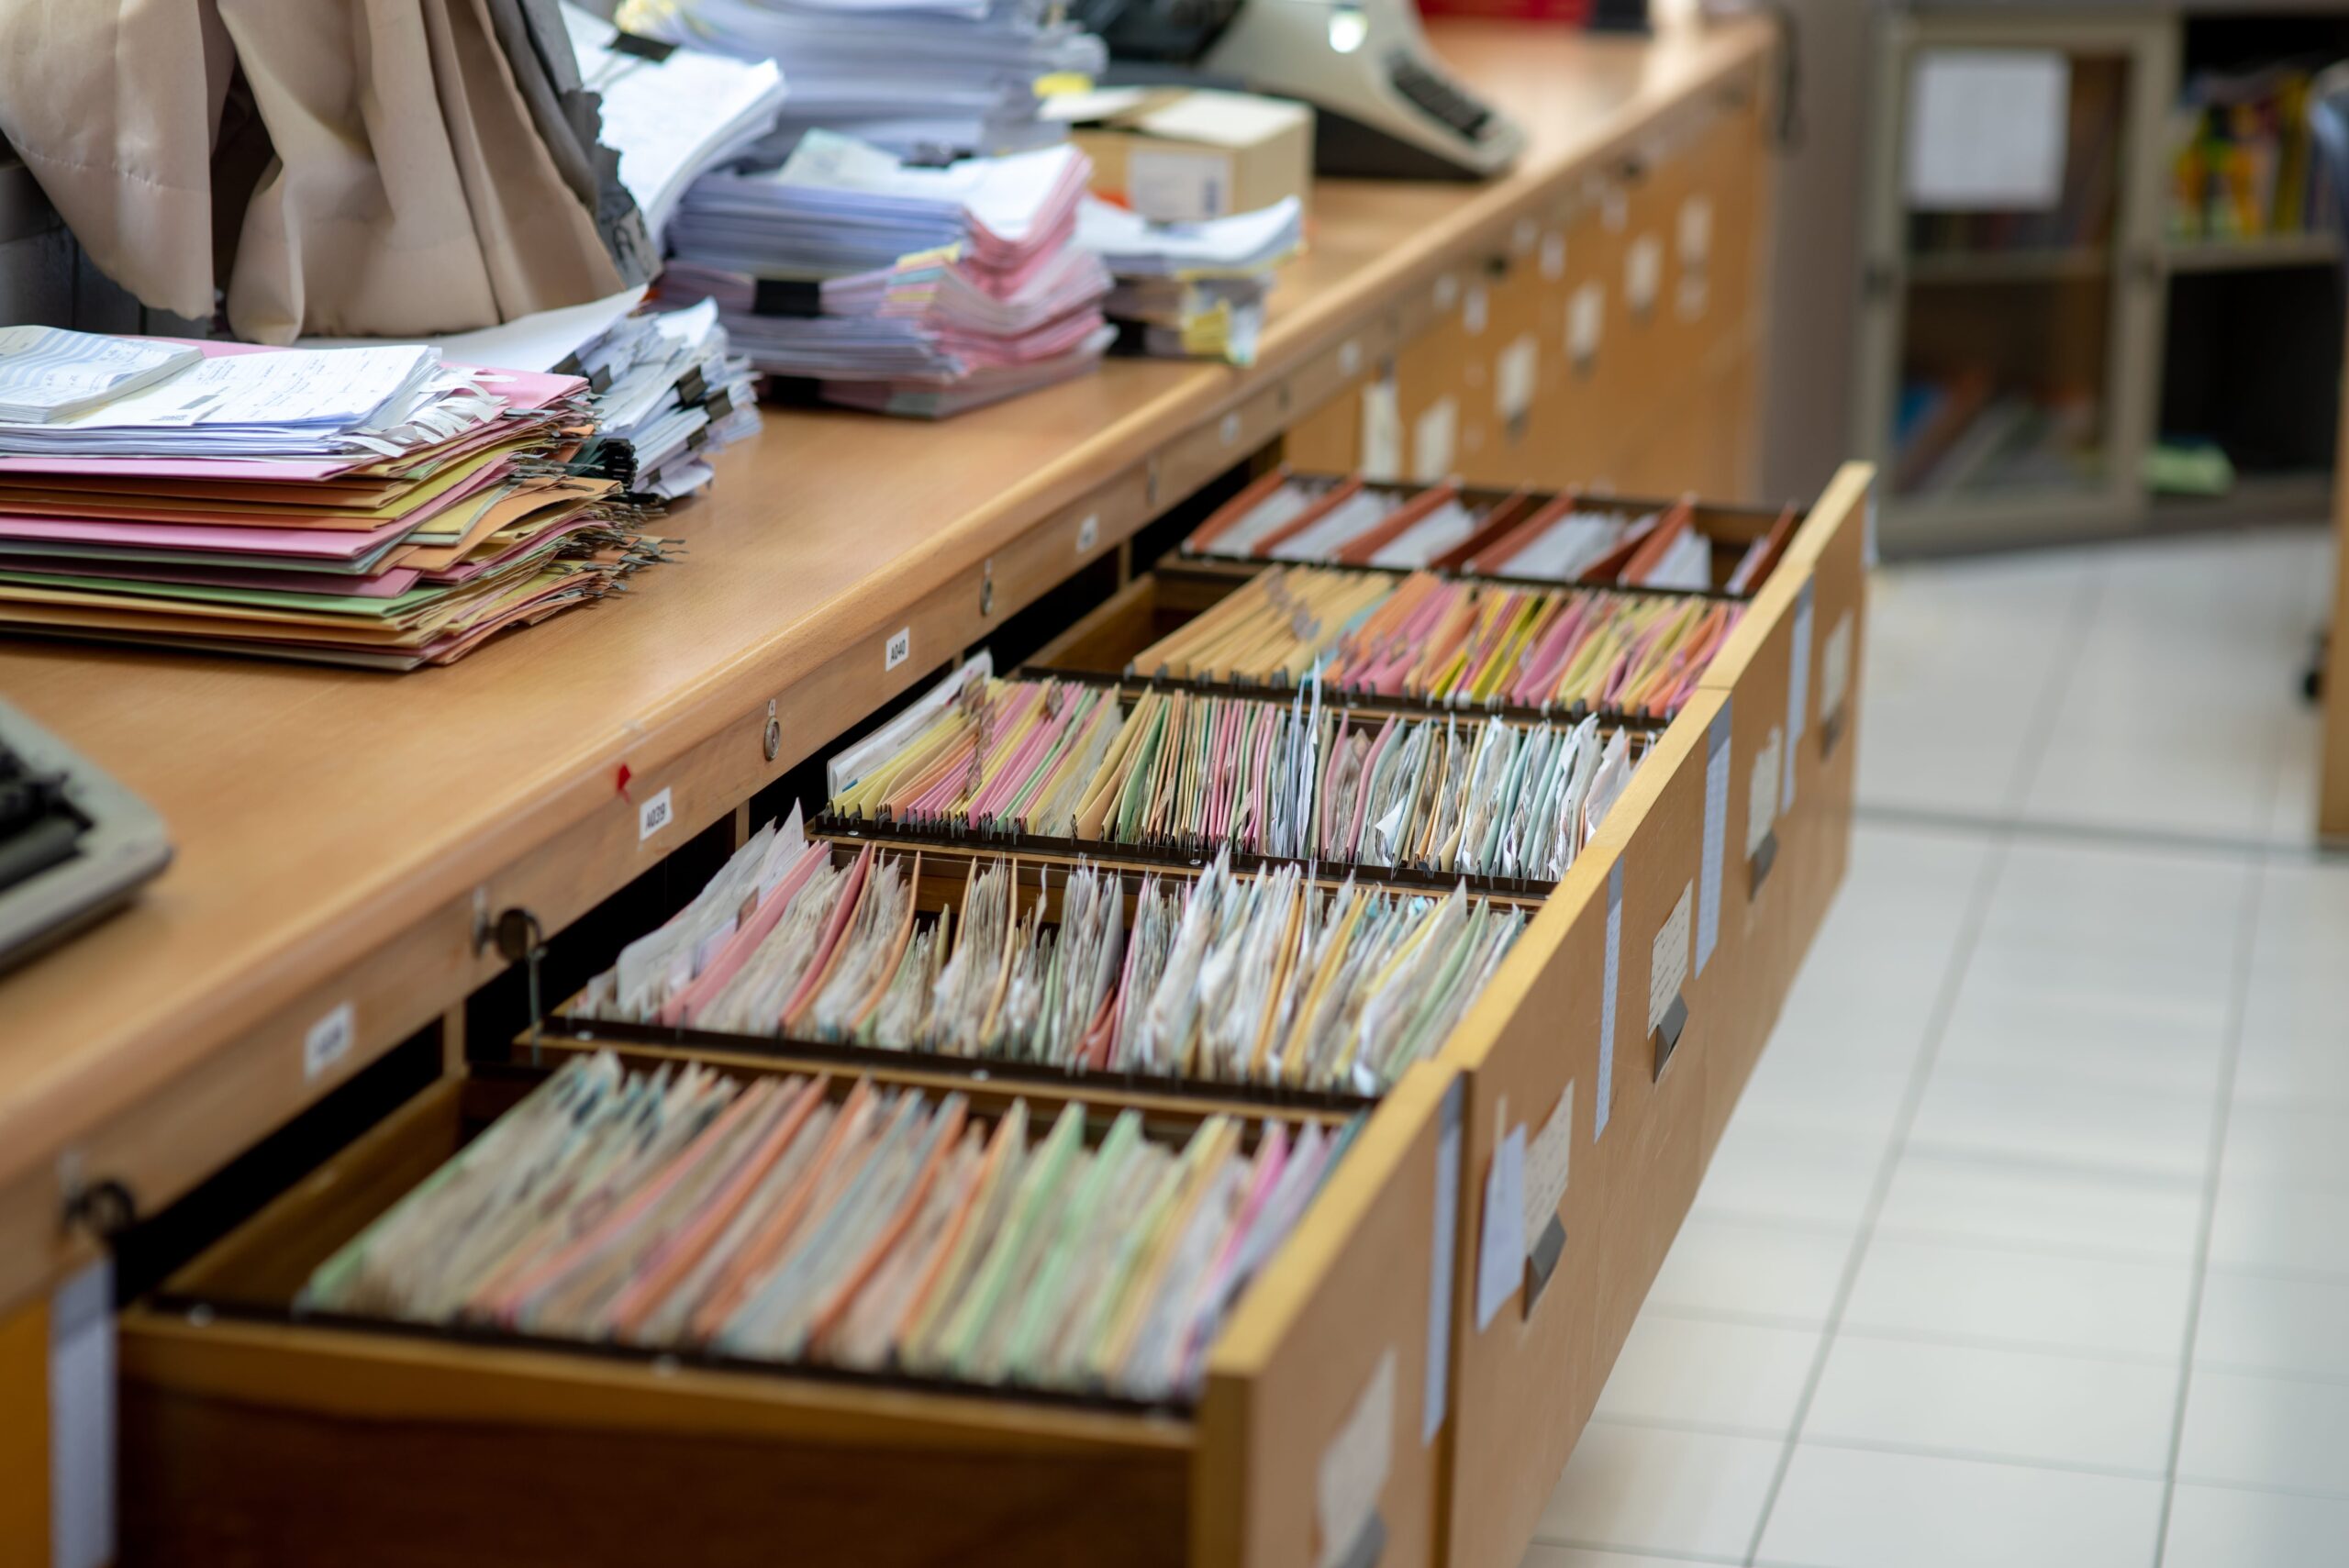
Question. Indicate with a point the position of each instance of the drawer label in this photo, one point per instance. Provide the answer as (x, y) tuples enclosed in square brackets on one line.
[(1668, 958), (1435, 1392), (1696, 225), (1545, 1164), (1447, 292), (1516, 377), (1606, 1101), (1708, 895), (329, 1041), (1797, 695), (1644, 274), (1433, 438), (1475, 309), (1088, 533), (1762, 793), (1349, 357), (1353, 1467), (1382, 432), (654, 814), (900, 649), (1553, 255), (1835, 669), (1586, 315), (1500, 1247)]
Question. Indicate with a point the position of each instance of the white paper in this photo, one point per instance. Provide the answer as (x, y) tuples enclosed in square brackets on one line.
[(1500, 1249), (1433, 435), (1986, 129), (1668, 958), (1353, 1466), (81, 1419), (1436, 1391), (1605, 1104), (1546, 1159), (1226, 119), (536, 343), (1382, 432), (1709, 893)]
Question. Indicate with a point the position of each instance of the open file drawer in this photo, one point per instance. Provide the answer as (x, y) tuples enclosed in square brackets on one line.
[(252, 1436)]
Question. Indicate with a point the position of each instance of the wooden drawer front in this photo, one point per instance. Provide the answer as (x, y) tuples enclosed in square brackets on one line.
[(1831, 547), (251, 1436), (1529, 1374)]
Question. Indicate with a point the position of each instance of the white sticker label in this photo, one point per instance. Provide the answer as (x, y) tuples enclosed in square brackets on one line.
[(1696, 228), (1615, 209), (1546, 1166), (1178, 187), (1708, 894), (1500, 1249), (1477, 311), (1349, 357), (1668, 958), (1553, 255), (1835, 668), (1797, 695), (1382, 432), (1585, 313), (1762, 795), (329, 1041), (900, 649), (1516, 377), (1353, 1467), (1447, 292), (1644, 274), (1088, 532), (1522, 237), (1229, 428), (1436, 1390), (81, 1419), (1605, 1104), (653, 816), (1434, 436)]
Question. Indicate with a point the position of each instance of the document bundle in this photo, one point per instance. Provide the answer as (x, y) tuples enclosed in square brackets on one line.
[(377, 508), (866, 1228), (1192, 290), (927, 79), (896, 288), (1451, 642), (1189, 774), (668, 386), (1272, 979)]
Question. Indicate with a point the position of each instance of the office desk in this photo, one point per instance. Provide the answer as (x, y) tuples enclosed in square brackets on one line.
[(338, 832)]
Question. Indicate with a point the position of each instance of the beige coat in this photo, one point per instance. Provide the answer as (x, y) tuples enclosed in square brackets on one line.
[(408, 193)]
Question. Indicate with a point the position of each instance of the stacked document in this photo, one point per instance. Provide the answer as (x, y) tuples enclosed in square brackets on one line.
[(1452, 641), (1192, 290), (862, 1228), (894, 287), (378, 508), (669, 388), (1183, 772), (928, 79), (1268, 979)]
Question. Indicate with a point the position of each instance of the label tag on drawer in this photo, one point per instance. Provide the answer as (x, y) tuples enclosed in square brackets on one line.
[(1553, 255), (81, 1419), (1708, 895), (654, 814), (1382, 432), (1586, 315), (1501, 1246), (1517, 375), (1545, 1164), (1606, 1102), (1668, 958), (900, 649), (1834, 680), (1432, 439), (329, 1041), (1644, 274), (1435, 1392), (1088, 533), (1696, 227), (1797, 695), (1353, 1469), (1475, 309)]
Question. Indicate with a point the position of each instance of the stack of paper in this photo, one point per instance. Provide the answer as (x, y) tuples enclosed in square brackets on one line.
[(895, 288), (1453, 641), (377, 508), (932, 78), (669, 386), (1264, 979), (875, 1229), (1189, 772), (1194, 290)]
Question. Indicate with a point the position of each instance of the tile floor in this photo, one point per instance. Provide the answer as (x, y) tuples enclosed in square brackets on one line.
[(2028, 1244)]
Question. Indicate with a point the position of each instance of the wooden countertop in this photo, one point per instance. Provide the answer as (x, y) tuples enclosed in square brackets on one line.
[(317, 813)]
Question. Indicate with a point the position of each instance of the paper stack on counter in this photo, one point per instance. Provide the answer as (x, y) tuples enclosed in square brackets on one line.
[(1192, 290), (668, 387), (898, 288), (933, 79), (378, 508)]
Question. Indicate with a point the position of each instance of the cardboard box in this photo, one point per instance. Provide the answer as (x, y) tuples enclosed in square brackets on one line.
[(1183, 155)]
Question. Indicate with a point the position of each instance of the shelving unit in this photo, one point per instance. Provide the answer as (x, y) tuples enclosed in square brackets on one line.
[(2016, 367)]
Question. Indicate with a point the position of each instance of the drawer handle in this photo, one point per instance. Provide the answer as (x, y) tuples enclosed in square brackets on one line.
[(1543, 1261), (1667, 1035), (102, 1208), (521, 940), (1831, 731), (1764, 859)]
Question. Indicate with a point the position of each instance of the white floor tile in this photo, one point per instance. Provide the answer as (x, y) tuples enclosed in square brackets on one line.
[(1767, 1172), (1941, 1198), (2300, 1143), (1838, 1100), (2247, 1430), (2031, 1300), (2017, 1405), (2280, 1229), (2216, 1527), (2263, 1323), (1541, 1555), (1648, 1488), (1850, 1509), (2017, 1115), (2062, 1037), (1743, 1270), (1697, 1373)]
